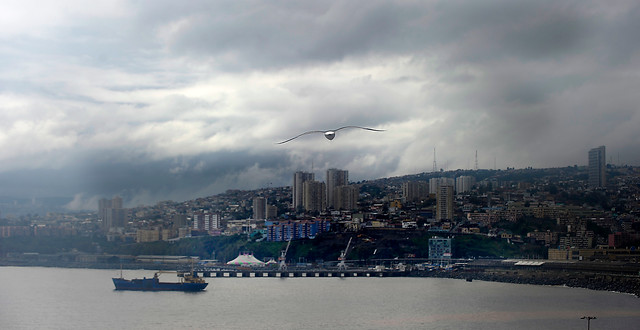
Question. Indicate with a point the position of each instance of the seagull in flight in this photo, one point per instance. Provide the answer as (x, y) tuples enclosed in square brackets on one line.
[(330, 134)]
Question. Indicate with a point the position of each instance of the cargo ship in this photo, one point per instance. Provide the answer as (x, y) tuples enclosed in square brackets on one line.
[(188, 282)]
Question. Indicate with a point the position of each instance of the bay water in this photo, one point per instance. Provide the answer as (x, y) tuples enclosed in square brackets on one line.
[(65, 298)]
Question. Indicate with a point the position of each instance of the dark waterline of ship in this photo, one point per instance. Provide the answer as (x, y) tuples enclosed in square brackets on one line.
[(61, 298)]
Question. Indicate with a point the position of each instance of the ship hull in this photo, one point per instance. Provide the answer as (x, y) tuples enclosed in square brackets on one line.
[(153, 284)]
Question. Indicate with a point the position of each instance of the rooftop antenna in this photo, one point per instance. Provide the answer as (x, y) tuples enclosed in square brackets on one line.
[(435, 167), (476, 168)]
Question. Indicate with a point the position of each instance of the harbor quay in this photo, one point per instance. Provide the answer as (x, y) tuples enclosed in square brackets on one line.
[(311, 273), (594, 276), (608, 276)]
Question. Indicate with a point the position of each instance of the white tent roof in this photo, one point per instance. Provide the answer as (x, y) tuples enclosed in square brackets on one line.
[(245, 259)]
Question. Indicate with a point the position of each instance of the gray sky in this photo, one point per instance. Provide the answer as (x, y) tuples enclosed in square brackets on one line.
[(157, 100)]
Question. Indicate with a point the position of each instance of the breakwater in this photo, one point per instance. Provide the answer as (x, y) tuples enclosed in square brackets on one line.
[(594, 281)]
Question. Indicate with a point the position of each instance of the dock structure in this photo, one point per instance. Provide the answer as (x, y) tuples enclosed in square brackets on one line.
[(315, 273)]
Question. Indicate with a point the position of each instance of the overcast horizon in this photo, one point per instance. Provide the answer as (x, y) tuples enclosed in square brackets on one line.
[(160, 100)]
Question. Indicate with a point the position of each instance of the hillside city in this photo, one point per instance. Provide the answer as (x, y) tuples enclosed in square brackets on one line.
[(571, 213)]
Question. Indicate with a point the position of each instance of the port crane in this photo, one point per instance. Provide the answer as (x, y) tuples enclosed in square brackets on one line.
[(343, 256), (283, 257)]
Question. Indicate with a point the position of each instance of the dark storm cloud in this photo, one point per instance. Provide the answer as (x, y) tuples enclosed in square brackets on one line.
[(278, 34), (489, 31), (168, 100), (149, 181), (184, 171)]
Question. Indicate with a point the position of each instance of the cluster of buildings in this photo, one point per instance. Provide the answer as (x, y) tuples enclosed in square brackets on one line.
[(592, 207), (315, 196)]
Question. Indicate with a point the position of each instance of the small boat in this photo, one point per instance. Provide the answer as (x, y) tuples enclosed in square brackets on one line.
[(188, 282)]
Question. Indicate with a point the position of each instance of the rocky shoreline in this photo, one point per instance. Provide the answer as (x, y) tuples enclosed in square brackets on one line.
[(602, 282)]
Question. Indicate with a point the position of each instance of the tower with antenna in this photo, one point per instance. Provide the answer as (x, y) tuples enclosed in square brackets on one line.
[(476, 165), (435, 166)]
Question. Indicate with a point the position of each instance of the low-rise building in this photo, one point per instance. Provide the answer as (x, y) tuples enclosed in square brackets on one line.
[(440, 248)]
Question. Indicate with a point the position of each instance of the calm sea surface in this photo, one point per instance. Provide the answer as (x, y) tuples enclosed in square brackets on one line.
[(59, 298)]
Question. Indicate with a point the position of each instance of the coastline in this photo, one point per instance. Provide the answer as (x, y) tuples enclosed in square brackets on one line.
[(598, 282), (622, 283)]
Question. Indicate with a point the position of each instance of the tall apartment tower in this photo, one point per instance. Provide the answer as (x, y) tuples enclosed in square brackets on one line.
[(206, 221), (116, 202), (444, 203), (346, 197), (335, 178), (103, 205), (259, 208), (597, 167), (464, 183), (272, 211), (111, 213), (415, 191), (299, 178), (314, 198), (435, 183)]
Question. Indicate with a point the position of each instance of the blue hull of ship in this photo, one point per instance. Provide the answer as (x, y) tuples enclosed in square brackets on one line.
[(151, 284)]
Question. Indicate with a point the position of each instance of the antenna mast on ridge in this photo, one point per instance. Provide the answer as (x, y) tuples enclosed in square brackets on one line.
[(476, 168), (435, 167)]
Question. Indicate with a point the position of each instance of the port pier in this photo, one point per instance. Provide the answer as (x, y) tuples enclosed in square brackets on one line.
[(231, 273)]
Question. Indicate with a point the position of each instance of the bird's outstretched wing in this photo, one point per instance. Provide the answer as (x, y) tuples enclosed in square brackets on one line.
[(299, 135), (369, 129), (332, 132)]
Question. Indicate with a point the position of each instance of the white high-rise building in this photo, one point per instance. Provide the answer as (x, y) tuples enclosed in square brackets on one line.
[(597, 167), (206, 221), (464, 184)]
